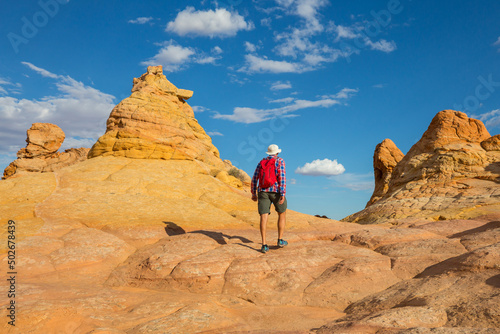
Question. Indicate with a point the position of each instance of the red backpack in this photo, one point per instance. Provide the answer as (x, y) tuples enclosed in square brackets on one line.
[(267, 174)]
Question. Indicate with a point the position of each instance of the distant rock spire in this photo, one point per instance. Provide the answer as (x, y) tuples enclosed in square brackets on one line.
[(386, 157)]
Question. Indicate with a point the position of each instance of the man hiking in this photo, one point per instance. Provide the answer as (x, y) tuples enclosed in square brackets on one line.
[(271, 176)]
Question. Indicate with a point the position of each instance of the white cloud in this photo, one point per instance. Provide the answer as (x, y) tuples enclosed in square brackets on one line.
[(344, 32), (171, 56), (81, 111), (266, 22), (497, 43), (325, 167), (317, 59), (298, 41), (344, 93), (141, 20), (246, 115), (381, 45), (41, 71), (306, 9), (357, 31), (253, 115), (218, 23), (214, 133), (13, 88), (249, 47), (207, 60), (4, 81), (217, 50), (305, 41), (236, 79), (199, 109), (174, 57), (278, 85), (262, 65), (284, 100), (303, 45), (491, 119)]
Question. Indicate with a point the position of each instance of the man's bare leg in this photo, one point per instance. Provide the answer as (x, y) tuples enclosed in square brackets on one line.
[(263, 226), (281, 224)]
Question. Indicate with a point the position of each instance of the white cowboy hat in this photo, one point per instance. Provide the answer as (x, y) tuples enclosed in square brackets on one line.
[(273, 149)]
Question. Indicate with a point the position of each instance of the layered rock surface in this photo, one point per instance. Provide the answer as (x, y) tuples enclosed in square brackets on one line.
[(155, 122), (118, 244), (430, 300), (40, 154), (453, 171), (141, 256)]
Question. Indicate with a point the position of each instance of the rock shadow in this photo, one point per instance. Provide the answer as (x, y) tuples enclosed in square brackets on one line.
[(494, 281), (483, 228), (445, 266), (494, 168), (453, 264), (221, 237), (172, 229)]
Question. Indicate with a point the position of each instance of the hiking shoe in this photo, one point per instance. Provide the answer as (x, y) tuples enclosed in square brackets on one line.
[(282, 243), (264, 249)]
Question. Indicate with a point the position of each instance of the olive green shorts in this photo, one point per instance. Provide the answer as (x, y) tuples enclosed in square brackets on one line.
[(265, 200)]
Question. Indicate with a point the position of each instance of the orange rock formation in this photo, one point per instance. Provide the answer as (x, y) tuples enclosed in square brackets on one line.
[(155, 122), (386, 157), (451, 172), (40, 153)]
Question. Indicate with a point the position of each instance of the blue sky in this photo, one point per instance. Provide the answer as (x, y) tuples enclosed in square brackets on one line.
[(325, 80)]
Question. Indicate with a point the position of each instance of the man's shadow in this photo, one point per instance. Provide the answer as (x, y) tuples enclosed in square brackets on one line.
[(172, 229)]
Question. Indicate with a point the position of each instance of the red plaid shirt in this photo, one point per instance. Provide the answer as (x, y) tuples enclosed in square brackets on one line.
[(279, 186)]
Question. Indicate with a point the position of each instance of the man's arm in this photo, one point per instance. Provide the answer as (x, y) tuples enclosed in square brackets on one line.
[(282, 180), (255, 179)]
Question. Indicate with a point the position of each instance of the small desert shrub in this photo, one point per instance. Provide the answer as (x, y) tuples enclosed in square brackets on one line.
[(237, 173)]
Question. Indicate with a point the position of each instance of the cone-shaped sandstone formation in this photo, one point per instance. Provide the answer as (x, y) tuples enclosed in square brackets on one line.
[(155, 122), (40, 154), (453, 171)]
